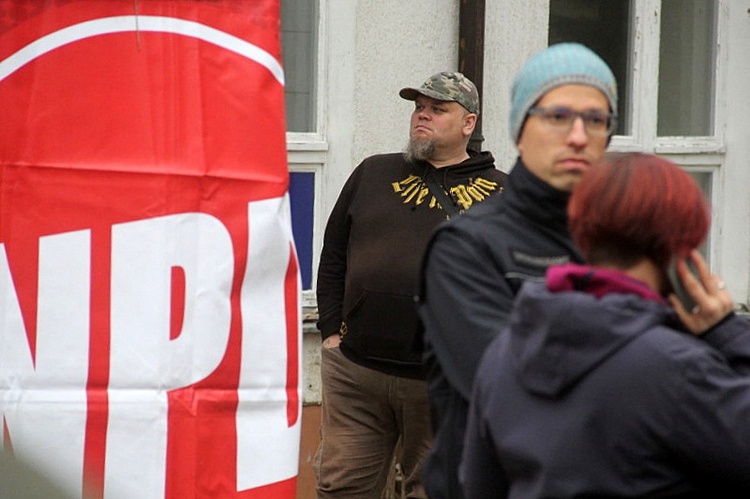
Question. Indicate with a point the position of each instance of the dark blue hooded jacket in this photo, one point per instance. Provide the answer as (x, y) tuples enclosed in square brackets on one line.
[(588, 395)]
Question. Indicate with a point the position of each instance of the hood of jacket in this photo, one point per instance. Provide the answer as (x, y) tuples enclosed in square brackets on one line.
[(477, 163), (562, 329)]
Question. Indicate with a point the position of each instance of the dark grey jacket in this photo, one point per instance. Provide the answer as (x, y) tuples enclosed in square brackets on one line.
[(475, 265), (587, 396)]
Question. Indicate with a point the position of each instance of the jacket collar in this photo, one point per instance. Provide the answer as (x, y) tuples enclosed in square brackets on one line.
[(536, 199)]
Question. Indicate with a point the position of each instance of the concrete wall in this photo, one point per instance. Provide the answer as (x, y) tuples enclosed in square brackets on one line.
[(732, 214)]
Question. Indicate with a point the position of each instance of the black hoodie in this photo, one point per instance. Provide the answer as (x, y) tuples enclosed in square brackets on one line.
[(372, 250)]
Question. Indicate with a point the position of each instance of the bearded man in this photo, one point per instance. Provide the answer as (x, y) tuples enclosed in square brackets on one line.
[(373, 380)]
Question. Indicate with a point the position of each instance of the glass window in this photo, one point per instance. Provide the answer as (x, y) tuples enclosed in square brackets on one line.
[(686, 68), (704, 181), (299, 53), (302, 199), (603, 26)]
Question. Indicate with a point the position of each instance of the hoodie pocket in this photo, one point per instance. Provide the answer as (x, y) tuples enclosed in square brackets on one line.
[(381, 326)]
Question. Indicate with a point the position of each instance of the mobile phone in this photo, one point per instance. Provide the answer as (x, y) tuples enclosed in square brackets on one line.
[(677, 287)]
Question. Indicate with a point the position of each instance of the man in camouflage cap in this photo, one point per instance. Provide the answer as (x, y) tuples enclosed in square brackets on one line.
[(447, 86), (373, 382), (438, 140)]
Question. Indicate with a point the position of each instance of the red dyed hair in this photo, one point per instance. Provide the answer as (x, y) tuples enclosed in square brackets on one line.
[(633, 205)]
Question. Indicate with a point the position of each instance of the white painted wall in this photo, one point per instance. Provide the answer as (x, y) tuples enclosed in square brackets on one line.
[(513, 32), (733, 252)]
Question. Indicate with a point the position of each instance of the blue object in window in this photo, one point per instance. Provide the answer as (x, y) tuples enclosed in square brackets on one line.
[(302, 197)]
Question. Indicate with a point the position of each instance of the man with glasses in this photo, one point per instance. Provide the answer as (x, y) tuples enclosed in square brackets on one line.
[(563, 105)]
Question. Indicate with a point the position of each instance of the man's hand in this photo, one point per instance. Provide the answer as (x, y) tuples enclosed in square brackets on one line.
[(332, 341)]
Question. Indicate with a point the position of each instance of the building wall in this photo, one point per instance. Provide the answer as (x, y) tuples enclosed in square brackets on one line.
[(513, 32), (732, 210)]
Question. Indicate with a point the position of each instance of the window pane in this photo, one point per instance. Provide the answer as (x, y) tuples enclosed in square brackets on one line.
[(601, 25), (302, 199), (704, 181), (686, 67), (299, 51)]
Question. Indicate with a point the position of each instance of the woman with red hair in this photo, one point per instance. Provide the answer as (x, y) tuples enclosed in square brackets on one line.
[(604, 383)]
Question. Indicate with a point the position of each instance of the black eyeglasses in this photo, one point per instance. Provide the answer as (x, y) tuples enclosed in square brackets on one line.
[(561, 120)]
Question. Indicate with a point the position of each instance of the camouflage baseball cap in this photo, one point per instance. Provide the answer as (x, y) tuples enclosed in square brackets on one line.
[(447, 86)]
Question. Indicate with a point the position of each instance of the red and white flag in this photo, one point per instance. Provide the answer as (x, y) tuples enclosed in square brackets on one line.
[(149, 289)]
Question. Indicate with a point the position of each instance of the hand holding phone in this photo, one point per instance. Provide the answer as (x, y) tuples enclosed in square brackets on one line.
[(712, 301)]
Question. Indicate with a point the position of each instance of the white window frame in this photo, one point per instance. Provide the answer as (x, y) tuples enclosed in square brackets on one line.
[(307, 151), (696, 154)]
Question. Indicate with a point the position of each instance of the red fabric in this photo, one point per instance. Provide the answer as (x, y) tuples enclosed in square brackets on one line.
[(126, 126)]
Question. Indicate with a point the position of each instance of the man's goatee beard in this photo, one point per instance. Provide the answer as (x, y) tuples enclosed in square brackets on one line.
[(419, 150)]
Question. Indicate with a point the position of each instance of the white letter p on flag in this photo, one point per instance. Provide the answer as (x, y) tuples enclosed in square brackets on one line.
[(145, 362)]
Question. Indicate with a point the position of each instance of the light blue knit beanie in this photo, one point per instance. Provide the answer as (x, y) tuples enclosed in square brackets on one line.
[(559, 64)]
